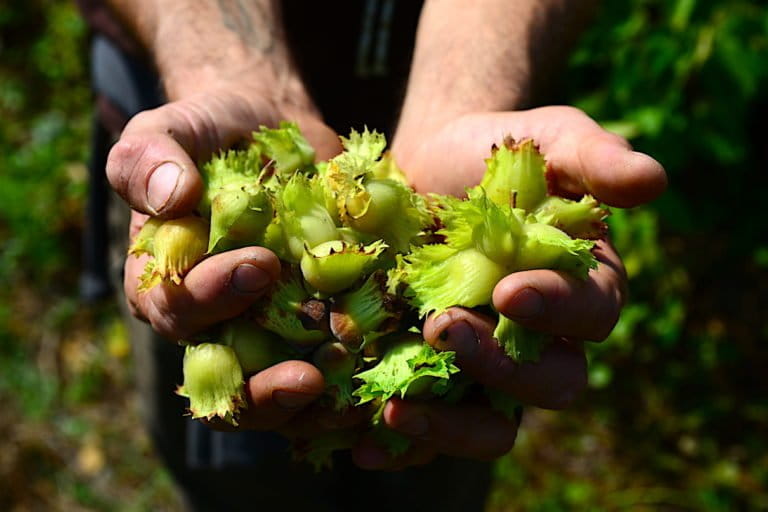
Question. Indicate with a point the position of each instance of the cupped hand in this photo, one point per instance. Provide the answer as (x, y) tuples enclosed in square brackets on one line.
[(476, 430), (154, 168), (582, 158)]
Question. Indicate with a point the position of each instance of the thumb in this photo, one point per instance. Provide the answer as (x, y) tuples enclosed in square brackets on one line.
[(153, 165)]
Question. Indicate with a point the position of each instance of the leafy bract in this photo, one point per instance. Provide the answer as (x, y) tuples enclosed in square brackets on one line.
[(410, 365), (481, 224), (440, 276), (386, 168), (345, 187), (546, 247), (371, 195), (394, 212), (256, 348), (240, 215), (337, 365), (286, 147), (213, 382), (580, 219), (280, 313), (230, 170), (361, 150), (143, 243), (334, 266), (516, 175), (304, 220), (364, 311), (520, 343), (177, 245), (319, 450)]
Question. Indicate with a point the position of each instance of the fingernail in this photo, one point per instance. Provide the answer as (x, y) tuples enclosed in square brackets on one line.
[(526, 303), (248, 278), (416, 425), (162, 183), (459, 337), (291, 400)]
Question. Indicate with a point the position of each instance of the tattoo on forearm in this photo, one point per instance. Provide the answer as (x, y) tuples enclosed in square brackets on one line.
[(250, 21)]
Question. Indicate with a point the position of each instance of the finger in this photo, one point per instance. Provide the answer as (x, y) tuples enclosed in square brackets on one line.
[(216, 289), (561, 305), (603, 164), (153, 165), (582, 157), (319, 418), (553, 382), (472, 431), (278, 393), (370, 453)]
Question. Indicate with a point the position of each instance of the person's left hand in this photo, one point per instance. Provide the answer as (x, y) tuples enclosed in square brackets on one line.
[(582, 158)]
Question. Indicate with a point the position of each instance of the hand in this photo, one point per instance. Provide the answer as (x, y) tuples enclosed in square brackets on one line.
[(153, 167), (475, 430), (583, 159)]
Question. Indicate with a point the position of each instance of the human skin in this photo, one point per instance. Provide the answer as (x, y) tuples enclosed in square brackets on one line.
[(474, 72), (226, 70)]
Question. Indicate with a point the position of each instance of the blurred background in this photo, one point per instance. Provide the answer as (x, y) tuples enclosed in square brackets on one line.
[(676, 417)]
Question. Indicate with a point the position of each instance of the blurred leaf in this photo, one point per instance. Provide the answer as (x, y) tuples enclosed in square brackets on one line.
[(681, 14)]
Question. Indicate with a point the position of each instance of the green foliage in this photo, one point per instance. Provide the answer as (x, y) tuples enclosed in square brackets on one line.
[(63, 376), (44, 101)]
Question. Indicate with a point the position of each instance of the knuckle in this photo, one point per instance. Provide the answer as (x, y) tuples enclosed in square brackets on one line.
[(607, 137), (143, 119), (135, 311), (124, 164), (505, 443), (201, 133), (565, 111), (165, 326), (164, 317), (571, 110), (122, 152)]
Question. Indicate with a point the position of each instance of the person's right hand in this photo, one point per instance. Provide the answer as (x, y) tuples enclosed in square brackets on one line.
[(154, 168)]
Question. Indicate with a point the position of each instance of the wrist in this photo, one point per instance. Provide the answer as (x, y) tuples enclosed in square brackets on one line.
[(249, 79), (218, 47), (256, 102), (286, 96)]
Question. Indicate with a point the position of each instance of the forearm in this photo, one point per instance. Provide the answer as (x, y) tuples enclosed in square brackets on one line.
[(492, 55), (197, 44)]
